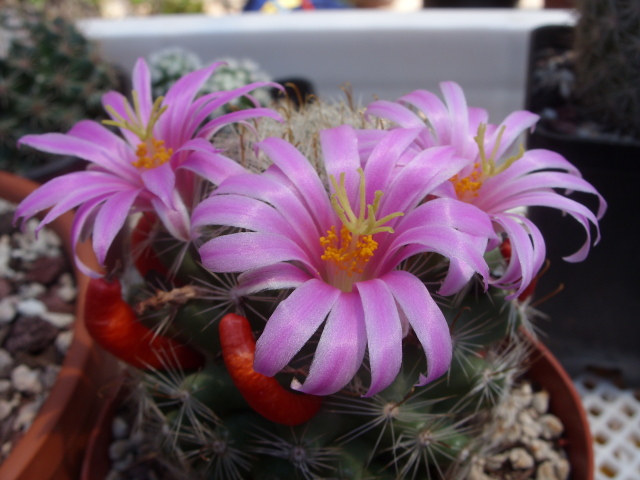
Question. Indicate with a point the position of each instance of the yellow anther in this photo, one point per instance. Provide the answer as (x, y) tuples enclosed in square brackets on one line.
[(152, 154), (468, 185), (342, 253), (351, 250)]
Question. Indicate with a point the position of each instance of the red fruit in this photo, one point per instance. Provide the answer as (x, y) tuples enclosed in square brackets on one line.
[(264, 394), (114, 325), (145, 257)]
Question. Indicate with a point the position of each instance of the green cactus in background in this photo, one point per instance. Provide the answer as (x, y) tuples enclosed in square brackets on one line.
[(607, 63), (51, 77), (168, 65)]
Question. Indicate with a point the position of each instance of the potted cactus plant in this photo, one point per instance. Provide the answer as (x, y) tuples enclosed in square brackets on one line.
[(51, 77), (583, 81), (330, 291)]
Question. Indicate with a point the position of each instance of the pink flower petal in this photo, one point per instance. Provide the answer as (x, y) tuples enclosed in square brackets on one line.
[(280, 276), (245, 251), (340, 350), (110, 219), (426, 319), (292, 324), (384, 333)]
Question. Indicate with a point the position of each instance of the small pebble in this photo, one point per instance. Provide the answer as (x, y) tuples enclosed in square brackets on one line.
[(31, 290), (31, 307), (8, 309), (26, 415), (59, 320), (67, 290), (540, 402), (49, 375), (495, 462), (520, 459), (6, 362), (119, 427), (6, 407), (63, 341), (551, 426), (5, 386), (530, 427), (26, 380)]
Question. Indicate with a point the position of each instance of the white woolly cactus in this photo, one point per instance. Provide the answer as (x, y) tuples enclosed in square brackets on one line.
[(169, 65)]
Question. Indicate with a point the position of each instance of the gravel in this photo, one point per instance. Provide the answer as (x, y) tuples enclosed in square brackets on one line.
[(37, 296)]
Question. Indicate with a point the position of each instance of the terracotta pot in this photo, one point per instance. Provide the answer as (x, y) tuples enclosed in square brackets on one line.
[(564, 403), (545, 371), (53, 447)]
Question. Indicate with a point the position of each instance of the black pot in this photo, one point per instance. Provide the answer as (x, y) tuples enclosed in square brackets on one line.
[(595, 319)]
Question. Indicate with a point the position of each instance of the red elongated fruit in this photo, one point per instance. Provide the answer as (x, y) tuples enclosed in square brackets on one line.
[(264, 394), (145, 258), (112, 322)]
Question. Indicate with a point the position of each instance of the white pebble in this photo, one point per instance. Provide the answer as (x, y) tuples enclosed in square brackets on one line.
[(31, 307), (26, 380), (5, 257), (49, 375), (58, 319), (540, 402), (6, 360), (67, 290), (551, 426), (520, 459), (26, 415), (119, 428), (5, 386), (7, 309), (32, 290), (63, 341), (6, 407)]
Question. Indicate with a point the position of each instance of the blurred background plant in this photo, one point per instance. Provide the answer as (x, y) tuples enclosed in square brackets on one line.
[(169, 64), (607, 63), (51, 77)]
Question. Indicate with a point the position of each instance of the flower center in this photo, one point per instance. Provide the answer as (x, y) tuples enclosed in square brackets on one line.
[(151, 152), (349, 251), (467, 187)]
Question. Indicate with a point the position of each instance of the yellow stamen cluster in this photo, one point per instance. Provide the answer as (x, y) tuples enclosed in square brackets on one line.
[(468, 185), (340, 252), (355, 246), (150, 152)]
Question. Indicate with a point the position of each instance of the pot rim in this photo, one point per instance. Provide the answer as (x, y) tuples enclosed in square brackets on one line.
[(77, 374)]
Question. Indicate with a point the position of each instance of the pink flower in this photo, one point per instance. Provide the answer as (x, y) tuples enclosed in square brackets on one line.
[(492, 180), (151, 167), (342, 252)]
